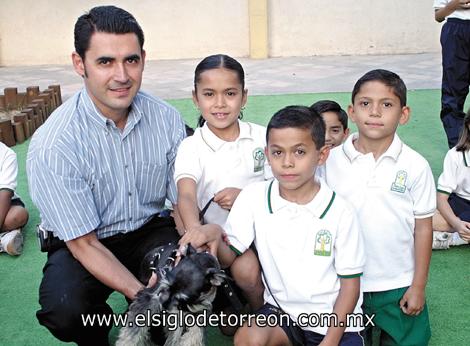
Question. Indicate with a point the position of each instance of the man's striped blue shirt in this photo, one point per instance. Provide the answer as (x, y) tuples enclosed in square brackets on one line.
[(86, 174)]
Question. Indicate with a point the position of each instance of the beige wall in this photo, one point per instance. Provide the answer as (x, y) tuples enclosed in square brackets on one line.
[(325, 27), (34, 32)]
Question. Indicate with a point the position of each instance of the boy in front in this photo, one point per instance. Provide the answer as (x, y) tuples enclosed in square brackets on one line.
[(308, 239), (392, 188)]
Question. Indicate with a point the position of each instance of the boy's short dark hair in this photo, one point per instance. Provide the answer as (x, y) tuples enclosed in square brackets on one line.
[(388, 78), (109, 19), (299, 117), (324, 106)]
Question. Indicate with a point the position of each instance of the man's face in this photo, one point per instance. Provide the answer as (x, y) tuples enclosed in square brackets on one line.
[(112, 71)]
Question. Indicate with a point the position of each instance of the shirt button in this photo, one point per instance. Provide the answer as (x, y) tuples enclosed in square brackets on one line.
[(125, 166), (130, 193), (130, 219)]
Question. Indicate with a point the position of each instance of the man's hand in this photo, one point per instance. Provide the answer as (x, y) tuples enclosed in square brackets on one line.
[(412, 302), (462, 4), (226, 197)]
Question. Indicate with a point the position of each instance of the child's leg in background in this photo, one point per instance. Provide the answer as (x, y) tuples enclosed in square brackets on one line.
[(247, 274), (16, 218), (455, 41)]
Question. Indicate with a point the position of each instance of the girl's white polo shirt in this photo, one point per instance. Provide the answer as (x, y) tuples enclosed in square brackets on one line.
[(455, 176), (388, 194), (215, 164), (303, 249), (8, 169)]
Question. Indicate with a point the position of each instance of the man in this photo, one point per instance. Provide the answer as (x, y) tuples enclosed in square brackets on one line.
[(99, 171)]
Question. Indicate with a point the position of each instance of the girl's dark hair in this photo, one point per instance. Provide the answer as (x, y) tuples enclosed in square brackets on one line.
[(218, 61), (464, 139), (299, 117), (109, 19)]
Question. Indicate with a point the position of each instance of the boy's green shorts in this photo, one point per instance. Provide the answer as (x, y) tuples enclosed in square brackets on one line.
[(396, 328)]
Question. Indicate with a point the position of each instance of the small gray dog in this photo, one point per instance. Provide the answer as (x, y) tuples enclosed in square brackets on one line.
[(187, 288)]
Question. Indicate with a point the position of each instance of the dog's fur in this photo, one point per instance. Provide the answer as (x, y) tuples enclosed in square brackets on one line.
[(189, 287)]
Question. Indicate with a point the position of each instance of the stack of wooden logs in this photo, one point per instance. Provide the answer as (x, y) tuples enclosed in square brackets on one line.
[(22, 113)]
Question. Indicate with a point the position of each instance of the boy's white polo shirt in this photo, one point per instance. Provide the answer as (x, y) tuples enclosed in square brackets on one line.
[(215, 164), (8, 169), (455, 176), (388, 194), (303, 249)]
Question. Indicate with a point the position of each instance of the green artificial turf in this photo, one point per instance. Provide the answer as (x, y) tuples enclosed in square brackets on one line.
[(448, 290)]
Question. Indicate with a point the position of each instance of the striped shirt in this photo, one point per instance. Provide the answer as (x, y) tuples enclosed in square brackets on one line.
[(85, 174)]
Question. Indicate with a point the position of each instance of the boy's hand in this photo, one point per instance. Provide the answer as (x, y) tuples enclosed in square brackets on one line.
[(412, 302), (462, 4), (202, 238), (226, 197)]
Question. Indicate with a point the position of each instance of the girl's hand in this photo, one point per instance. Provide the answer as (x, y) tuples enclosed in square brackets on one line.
[(205, 237), (226, 197)]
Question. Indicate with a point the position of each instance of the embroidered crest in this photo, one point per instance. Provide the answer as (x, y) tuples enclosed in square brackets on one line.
[(400, 182), (258, 159), (323, 242)]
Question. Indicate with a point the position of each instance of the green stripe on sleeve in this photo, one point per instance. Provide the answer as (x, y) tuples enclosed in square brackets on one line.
[(329, 205), (234, 249), (444, 192), (350, 276)]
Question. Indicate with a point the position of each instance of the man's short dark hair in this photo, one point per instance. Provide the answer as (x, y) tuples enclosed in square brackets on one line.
[(388, 78), (299, 117), (109, 19), (324, 106)]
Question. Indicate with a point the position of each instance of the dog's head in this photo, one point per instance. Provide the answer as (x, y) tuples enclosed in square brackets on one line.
[(193, 281)]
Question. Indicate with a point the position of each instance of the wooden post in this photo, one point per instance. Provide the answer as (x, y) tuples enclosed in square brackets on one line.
[(7, 131), (10, 98), (19, 132)]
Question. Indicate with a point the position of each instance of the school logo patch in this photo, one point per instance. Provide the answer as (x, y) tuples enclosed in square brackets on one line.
[(323, 243), (258, 158), (399, 185)]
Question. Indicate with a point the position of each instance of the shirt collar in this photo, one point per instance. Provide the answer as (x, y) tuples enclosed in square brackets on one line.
[(466, 158), (318, 206), (351, 152), (215, 143), (95, 115)]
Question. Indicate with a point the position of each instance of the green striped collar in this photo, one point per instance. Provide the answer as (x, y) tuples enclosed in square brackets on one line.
[(319, 205)]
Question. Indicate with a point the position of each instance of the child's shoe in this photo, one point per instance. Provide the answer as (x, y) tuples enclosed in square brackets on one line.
[(441, 240), (456, 240), (11, 242)]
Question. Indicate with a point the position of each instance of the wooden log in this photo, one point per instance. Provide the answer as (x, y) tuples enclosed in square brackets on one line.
[(10, 98), (27, 128), (29, 112), (19, 132), (7, 131), (41, 105), (2, 102), (20, 118), (56, 88), (32, 92)]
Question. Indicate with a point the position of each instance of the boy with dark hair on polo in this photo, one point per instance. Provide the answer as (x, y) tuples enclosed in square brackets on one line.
[(392, 188)]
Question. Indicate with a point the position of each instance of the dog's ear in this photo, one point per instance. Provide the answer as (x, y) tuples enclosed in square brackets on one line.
[(215, 276), (190, 250)]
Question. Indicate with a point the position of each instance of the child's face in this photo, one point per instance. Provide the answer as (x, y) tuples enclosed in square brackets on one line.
[(335, 133), (294, 157), (377, 111), (219, 97)]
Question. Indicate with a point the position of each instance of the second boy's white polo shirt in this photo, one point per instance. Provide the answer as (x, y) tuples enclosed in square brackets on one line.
[(8, 169), (303, 249), (389, 194), (459, 13), (455, 176), (215, 164)]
